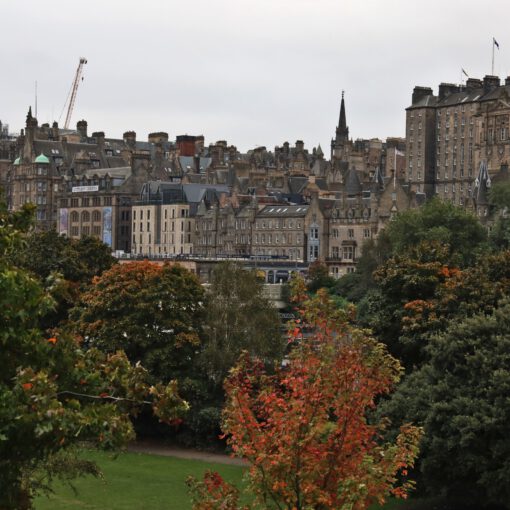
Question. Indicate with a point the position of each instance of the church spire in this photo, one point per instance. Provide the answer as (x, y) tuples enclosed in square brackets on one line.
[(342, 131)]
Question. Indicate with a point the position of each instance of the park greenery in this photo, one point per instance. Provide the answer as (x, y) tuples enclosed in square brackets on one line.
[(54, 393), (305, 428), (90, 347)]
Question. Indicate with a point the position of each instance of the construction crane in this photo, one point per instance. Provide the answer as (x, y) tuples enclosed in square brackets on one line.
[(74, 89)]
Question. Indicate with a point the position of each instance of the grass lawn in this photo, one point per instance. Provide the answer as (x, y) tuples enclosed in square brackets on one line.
[(136, 481)]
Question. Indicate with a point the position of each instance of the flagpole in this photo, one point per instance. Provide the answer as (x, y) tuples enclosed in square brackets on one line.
[(493, 44), (395, 170)]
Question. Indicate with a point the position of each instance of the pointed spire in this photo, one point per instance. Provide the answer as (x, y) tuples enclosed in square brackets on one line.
[(482, 184), (29, 116), (342, 131)]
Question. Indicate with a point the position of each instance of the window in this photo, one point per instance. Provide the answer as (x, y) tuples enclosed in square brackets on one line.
[(350, 233), (74, 217), (349, 252), (366, 233), (107, 201), (96, 201), (314, 233), (96, 216), (85, 216)]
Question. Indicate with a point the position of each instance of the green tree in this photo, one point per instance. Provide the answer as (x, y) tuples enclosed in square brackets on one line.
[(53, 393), (64, 267), (444, 227), (438, 221), (153, 312), (499, 199), (461, 398), (76, 260), (238, 317), (318, 277)]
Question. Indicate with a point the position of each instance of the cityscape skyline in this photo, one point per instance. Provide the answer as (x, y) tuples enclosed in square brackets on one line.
[(253, 73)]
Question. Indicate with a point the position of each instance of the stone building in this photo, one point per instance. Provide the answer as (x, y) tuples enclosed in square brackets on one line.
[(450, 136), (51, 161), (98, 202), (163, 217)]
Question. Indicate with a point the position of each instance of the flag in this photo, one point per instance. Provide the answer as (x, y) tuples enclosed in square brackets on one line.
[(496, 43), (399, 153), (464, 72)]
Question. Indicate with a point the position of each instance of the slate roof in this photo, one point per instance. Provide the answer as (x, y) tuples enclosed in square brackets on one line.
[(352, 182)]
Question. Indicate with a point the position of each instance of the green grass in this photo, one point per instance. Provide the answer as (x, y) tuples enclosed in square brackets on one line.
[(135, 481)]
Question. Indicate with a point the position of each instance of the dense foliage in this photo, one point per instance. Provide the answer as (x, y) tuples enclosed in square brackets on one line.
[(237, 316), (304, 429), (153, 312), (427, 300), (54, 394)]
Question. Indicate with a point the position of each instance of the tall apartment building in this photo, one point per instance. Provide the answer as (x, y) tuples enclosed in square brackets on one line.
[(448, 136)]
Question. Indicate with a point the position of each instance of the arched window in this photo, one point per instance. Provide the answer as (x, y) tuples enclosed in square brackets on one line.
[(96, 216), (74, 217), (85, 216)]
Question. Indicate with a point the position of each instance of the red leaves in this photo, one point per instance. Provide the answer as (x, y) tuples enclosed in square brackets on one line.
[(27, 386), (52, 340), (304, 429)]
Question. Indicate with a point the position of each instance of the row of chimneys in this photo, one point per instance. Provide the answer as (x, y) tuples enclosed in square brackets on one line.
[(445, 89)]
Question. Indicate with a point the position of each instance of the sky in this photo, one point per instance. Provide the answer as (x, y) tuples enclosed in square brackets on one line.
[(251, 72)]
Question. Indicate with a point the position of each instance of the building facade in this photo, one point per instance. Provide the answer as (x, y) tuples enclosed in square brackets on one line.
[(449, 137)]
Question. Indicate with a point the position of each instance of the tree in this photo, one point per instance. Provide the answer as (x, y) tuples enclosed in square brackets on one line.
[(64, 267), (304, 429), (53, 393), (499, 199), (76, 260), (153, 312), (238, 317), (438, 221), (420, 295), (318, 276), (461, 398)]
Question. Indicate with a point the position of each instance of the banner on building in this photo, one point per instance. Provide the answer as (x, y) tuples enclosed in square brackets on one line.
[(107, 226), (63, 222)]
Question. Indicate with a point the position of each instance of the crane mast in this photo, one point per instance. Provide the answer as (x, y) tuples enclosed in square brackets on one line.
[(74, 90)]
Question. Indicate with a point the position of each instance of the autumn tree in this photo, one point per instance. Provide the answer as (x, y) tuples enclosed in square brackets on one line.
[(437, 224), (53, 393), (305, 429), (153, 312)]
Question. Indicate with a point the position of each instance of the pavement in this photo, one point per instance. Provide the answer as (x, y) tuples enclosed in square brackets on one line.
[(154, 448)]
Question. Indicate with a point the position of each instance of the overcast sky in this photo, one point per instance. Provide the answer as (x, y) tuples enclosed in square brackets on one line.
[(252, 72)]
